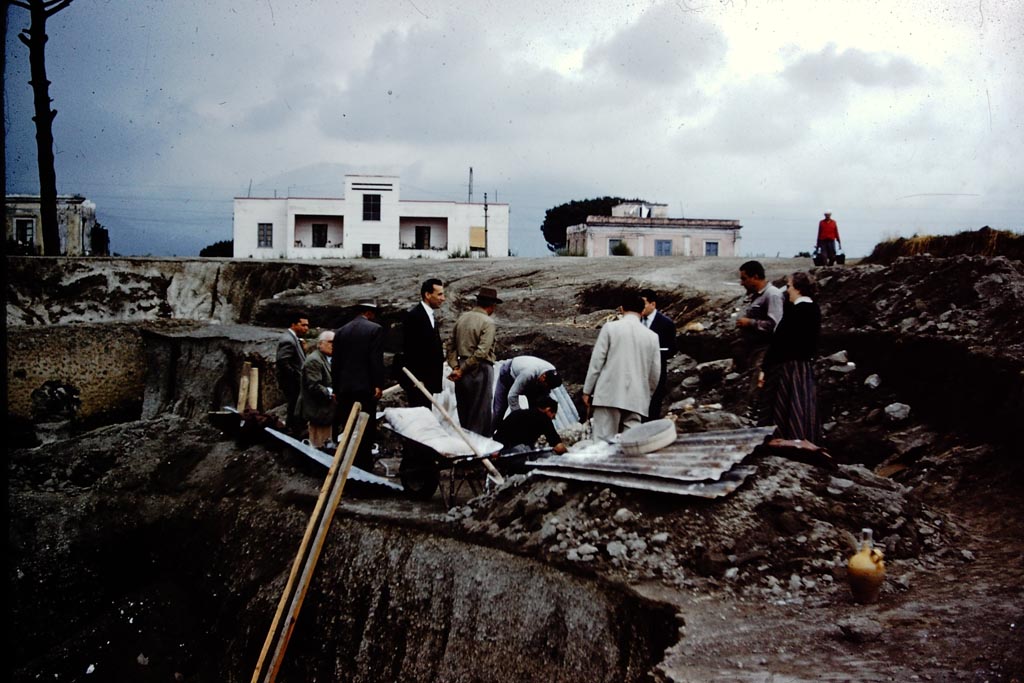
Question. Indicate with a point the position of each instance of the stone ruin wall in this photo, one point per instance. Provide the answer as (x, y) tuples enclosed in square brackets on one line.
[(105, 363)]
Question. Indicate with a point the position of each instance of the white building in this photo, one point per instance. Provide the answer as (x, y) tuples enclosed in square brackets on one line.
[(371, 221), (646, 230)]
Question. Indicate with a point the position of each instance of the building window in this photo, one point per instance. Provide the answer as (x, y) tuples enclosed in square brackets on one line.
[(662, 247), (371, 207), (423, 237), (612, 244), (25, 231), (371, 251), (320, 235), (265, 236), (711, 248)]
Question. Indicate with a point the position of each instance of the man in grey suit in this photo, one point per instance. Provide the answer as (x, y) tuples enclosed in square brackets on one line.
[(624, 370), (316, 396), (357, 369), (289, 360), (422, 351)]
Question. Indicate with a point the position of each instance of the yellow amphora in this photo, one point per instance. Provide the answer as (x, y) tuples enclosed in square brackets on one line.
[(866, 570)]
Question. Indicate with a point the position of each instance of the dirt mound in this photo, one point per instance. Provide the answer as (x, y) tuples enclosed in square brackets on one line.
[(982, 242)]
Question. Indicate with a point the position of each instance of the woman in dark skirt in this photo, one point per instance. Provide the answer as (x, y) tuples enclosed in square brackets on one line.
[(792, 393)]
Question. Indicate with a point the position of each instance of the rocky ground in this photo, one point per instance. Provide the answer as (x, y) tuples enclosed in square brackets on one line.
[(155, 550)]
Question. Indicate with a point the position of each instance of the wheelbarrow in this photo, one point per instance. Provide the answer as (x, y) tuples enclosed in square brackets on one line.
[(433, 451)]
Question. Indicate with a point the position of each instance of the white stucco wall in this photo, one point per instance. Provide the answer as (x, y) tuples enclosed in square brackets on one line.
[(293, 217)]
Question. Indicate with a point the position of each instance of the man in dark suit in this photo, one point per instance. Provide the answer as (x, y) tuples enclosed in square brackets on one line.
[(662, 325), (357, 370), (289, 360), (422, 351)]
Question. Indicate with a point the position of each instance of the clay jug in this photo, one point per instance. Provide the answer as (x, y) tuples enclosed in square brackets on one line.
[(866, 570)]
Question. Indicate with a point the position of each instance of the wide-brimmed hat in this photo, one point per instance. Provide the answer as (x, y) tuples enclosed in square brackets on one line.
[(489, 294), (367, 305)]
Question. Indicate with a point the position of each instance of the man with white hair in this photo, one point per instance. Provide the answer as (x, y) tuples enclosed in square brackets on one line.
[(316, 402)]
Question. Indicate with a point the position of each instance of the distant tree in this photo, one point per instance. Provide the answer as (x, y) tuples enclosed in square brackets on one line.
[(222, 248), (35, 38), (557, 219), (622, 249)]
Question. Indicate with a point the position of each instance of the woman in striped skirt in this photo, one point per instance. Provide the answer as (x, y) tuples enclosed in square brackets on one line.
[(792, 390)]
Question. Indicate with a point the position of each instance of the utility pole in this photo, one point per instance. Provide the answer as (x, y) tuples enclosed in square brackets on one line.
[(485, 225)]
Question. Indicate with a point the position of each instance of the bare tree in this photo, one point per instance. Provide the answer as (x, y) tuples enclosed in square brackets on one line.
[(35, 38)]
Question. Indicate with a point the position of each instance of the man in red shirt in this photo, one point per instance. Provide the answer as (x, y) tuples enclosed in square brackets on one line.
[(828, 238)]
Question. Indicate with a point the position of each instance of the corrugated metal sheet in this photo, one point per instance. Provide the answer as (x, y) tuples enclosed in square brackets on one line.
[(354, 473), (706, 464)]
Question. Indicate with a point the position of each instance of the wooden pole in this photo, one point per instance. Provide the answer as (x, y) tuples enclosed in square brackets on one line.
[(394, 389), (314, 554), (300, 557), (243, 387), (254, 388), (494, 473)]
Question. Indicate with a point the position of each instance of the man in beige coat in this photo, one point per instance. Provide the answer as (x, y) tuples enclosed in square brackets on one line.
[(624, 370), (471, 358)]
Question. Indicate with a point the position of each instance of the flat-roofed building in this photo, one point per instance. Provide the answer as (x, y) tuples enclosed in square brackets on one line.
[(641, 229), (371, 221)]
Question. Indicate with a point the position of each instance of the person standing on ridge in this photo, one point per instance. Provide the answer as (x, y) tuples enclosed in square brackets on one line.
[(828, 238)]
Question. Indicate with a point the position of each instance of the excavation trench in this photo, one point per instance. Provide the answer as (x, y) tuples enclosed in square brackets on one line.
[(170, 567), (392, 605)]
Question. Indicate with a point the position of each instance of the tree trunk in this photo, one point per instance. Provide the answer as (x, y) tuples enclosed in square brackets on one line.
[(35, 38)]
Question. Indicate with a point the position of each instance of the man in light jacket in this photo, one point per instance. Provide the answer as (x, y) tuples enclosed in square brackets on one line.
[(316, 395), (625, 367)]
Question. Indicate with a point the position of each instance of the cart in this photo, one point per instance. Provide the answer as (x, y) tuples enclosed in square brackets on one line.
[(432, 451)]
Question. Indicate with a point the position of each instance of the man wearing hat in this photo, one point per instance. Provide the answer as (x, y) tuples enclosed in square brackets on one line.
[(471, 357), (828, 238), (527, 376), (357, 371)]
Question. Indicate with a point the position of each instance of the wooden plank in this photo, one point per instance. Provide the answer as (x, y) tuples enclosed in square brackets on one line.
[(301, 556), (318, 543)]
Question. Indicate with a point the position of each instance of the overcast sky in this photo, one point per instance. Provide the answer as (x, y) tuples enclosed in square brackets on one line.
[(899, 117)]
